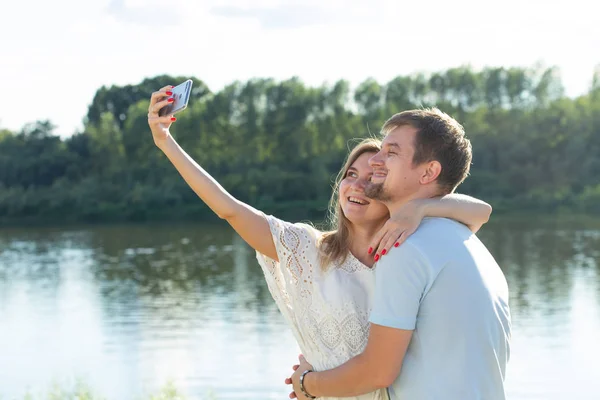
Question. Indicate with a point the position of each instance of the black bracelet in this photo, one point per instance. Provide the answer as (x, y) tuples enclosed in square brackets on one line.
[(304, 392)]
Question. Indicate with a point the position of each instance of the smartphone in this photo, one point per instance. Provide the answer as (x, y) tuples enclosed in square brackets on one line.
[(181, 95)]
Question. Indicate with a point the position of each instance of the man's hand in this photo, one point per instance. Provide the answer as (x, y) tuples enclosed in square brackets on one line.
[(294, 380)]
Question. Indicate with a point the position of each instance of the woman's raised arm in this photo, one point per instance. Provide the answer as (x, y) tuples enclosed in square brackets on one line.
[(248, 222)]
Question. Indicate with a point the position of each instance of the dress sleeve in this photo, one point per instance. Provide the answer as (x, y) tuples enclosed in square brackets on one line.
[(290, 279)]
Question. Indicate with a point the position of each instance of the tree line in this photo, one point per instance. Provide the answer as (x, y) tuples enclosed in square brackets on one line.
[(278, 145)]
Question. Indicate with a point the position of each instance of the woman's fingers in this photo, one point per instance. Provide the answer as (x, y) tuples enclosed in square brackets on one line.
[(393, 240), (374, 245), (158, 96), (402, 238), (377, 248), (288, 381), (166, 120), (390, 241), (382, 250), (155, 108)]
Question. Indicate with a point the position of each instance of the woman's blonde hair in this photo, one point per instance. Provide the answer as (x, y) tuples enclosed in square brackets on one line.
[(335, 244)]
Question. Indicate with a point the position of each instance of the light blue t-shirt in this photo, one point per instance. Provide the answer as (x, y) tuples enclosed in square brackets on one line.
[(443, 284)]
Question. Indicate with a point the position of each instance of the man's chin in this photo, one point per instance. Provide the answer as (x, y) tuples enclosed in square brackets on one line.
[(376, 191)]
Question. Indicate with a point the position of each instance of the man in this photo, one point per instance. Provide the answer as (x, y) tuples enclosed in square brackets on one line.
[(440, 322)]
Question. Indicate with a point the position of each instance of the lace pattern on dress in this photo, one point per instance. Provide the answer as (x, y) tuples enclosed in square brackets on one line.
[(329, 319)]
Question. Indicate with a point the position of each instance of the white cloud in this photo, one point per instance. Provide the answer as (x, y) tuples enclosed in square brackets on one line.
[(289, 16), (146, 13), (279, 17)]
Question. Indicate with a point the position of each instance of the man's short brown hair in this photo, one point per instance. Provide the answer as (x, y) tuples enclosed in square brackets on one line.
[(439, 137)]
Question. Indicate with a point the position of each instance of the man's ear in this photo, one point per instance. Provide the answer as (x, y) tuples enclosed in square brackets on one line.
[(432, 170)]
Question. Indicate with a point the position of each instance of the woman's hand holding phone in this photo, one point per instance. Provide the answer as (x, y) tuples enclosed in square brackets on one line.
[(163, 104), (159, 125)]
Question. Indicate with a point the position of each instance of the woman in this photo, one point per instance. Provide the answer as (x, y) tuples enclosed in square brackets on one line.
[(322, 282)]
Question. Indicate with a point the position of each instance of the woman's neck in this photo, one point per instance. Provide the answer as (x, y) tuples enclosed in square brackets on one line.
[(360, 241)]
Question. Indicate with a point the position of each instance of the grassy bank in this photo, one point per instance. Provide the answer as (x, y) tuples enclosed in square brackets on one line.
[(80, 390)]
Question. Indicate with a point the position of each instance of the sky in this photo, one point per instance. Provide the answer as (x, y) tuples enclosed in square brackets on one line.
[(56, 54)]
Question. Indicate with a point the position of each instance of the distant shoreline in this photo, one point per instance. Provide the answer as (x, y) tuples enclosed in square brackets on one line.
[(501, 216)]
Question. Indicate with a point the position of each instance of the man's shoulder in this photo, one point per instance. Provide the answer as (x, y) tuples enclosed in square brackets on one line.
[(429, 235), (433, 230), (432, 225)]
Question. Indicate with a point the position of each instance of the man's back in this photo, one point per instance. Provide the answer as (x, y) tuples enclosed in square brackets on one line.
[(451, 292)]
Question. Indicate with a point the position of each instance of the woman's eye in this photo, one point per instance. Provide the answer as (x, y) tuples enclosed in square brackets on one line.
[(352, 174)]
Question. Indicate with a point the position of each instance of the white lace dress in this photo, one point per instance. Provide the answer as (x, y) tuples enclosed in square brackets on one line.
[(327, 311)]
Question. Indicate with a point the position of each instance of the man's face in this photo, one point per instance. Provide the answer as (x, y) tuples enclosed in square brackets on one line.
[(394, 176)]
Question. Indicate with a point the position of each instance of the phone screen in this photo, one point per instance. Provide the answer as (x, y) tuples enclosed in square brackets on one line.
[(181, 95)]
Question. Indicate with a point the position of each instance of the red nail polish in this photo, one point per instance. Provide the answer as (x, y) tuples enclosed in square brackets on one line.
[(397, 244), (169, 93), (171, 100), (172, 86), (383, 252), (173, 119), (370, 250), (376, 257)]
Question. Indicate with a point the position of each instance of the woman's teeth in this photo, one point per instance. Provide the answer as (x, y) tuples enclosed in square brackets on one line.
[(357, 201)]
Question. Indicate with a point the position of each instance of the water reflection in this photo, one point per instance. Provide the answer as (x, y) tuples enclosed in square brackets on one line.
[(127, 307), (541, 262), (552, 267)]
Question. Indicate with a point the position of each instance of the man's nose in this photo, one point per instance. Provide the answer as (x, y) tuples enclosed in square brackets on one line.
[(376, 160)]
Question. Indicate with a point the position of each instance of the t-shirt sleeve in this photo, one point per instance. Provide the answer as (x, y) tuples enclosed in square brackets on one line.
[(289, 278), (402, 278)]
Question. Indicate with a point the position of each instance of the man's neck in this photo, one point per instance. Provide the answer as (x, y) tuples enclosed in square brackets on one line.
[(423, 193)]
